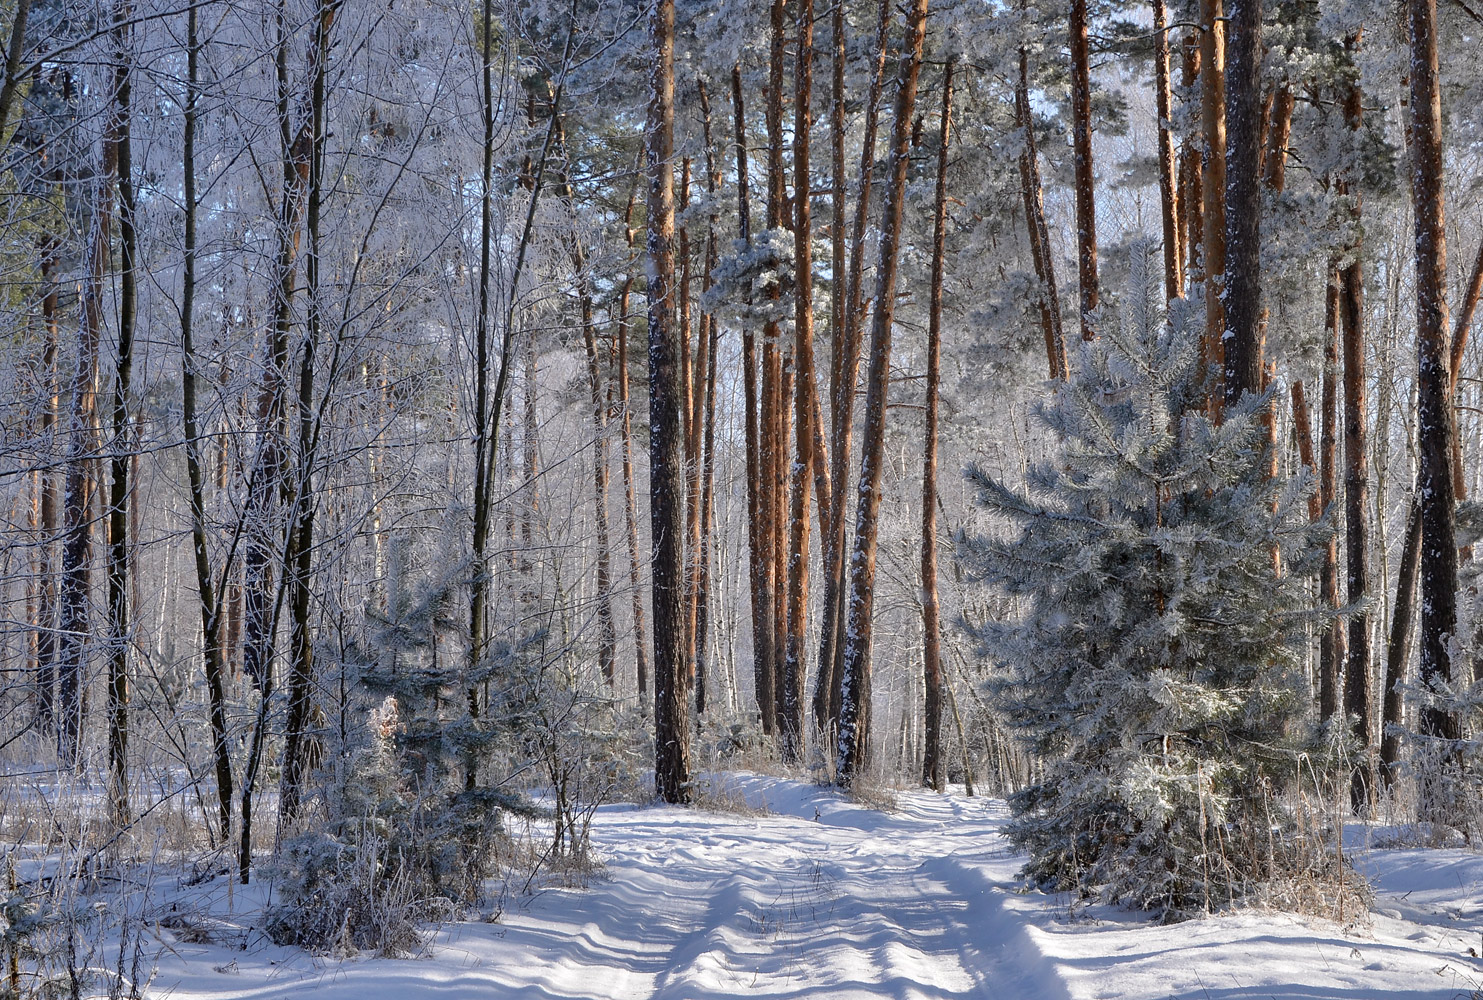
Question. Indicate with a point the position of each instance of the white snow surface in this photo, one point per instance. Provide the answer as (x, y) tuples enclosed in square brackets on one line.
[(823, 897)]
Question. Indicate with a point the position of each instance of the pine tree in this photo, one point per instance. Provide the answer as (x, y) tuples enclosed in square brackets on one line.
[(1157, 667)]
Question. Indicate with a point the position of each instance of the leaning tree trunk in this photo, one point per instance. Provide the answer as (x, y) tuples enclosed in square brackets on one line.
[(931, 624), (666, 453), (1040, 253), (630, 502), (854, 714)]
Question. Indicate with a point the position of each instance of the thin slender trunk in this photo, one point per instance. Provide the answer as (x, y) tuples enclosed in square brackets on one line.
[(630, 505), (757, 538), (1242, 334), (1398, 653), (13, 53), (666, 453), (854, 716), (119, 501), (1213, 188), (46, 607), (1191, 202), (1040, 253), (1086, 190), (706, 415), (931, 625), (1168, 182), (1331, 643), (210, 605), (607, 640)]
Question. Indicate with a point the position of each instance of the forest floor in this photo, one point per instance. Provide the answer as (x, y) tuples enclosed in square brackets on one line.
[(808, 894)]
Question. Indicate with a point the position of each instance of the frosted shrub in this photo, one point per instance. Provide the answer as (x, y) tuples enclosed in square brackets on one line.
[(1156, 667)]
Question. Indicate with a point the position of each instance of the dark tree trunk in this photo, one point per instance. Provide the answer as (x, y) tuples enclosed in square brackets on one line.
[(1436, 423), (208, 594), (932, 766), (1331, 643), (1086, 192), (1243, 280), (1213, 189), (119, 500), (666, 454)]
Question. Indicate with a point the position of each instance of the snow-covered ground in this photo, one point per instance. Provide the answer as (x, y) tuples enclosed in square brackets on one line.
[(822, 897)]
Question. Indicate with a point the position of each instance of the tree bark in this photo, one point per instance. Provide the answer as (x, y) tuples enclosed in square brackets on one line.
[(842, 407), (1242, 335), (1168, 182), (666, 454), (1331, 643), (794, 662), (630, 506), (757, 537), (1436, 425), (1086, 193), (208, 594), (1358, 696), (932, 766), (1213, 188), (119, 500), (854, 716), (1040, 253), (1398, 653)]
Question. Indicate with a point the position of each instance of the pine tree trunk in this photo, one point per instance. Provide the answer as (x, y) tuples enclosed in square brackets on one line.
[(1040, 253), (1191, 201), (666, 454), (1086, 194), (932, 766), (842, 406), (854, 715), (1243, 362), (794, 662), (1213, 188), (1436, 424), (1168, 182)]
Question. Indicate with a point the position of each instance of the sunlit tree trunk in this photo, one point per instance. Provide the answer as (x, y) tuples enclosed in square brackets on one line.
[(854, 715), (1086, 190)]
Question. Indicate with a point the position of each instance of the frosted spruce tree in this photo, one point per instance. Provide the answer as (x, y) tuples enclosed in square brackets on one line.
[(1156, 667)]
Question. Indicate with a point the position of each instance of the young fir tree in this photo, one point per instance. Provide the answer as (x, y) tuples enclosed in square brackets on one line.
[(1158, 666)]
